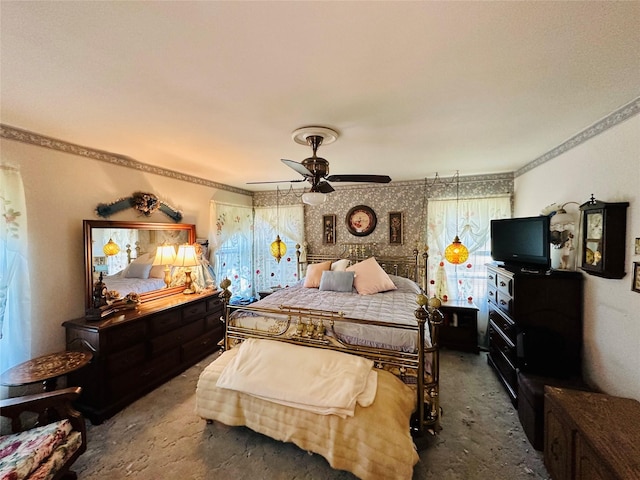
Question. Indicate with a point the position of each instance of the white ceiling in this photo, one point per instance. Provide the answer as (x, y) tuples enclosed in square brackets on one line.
[(214, 89)]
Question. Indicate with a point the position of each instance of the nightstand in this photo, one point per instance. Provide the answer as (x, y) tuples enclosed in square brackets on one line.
[(459, 329)]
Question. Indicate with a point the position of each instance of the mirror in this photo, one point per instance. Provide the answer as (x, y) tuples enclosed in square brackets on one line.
[(126, 263)]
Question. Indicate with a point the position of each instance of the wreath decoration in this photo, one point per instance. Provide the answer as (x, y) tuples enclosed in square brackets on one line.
[(145, 203)]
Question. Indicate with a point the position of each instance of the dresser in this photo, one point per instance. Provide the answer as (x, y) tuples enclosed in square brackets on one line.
[(535, 324), (591, 436), (138, 350)]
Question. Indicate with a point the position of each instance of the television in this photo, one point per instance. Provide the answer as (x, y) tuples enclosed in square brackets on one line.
[(522, 243)]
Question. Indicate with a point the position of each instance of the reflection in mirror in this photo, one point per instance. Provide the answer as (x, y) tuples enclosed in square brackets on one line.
[(125, 253)]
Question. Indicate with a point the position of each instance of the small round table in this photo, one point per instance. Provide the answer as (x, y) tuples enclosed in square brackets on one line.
[(45, 369)]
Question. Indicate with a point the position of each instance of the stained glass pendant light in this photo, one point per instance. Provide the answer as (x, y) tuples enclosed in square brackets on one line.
[(456, 253), (278, 247), (111, 248)]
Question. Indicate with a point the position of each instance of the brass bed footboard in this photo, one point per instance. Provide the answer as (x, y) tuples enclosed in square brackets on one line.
[(316, 328)]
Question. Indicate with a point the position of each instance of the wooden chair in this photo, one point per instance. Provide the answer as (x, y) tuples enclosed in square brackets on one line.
[(49, 407)]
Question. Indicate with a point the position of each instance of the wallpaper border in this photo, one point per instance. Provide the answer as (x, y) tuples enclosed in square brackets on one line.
[(25, 136), (623, 113)]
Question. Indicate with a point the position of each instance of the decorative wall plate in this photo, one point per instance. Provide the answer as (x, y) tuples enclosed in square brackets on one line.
[(361, 221)]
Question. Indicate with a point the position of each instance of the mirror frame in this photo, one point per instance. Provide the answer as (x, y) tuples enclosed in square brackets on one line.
[(88, 225)]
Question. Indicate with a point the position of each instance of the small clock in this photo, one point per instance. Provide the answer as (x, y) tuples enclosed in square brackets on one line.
[(361, 221), (603, 238)]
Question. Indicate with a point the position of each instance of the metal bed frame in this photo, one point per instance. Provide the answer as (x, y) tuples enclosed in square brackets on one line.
[(315, 328)]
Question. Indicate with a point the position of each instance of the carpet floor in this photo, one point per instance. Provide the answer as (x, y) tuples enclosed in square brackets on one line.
[(160, 437)]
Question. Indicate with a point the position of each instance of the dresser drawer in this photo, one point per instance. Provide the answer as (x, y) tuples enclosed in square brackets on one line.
[(505, 284), (213, 321), (505, 325), (492, 294), (164, 322), (492, 278), (502, 344), (126, 359), (504, 302), (198, 348), (125, 336), (214, 304), (176, 337), (194, 310)]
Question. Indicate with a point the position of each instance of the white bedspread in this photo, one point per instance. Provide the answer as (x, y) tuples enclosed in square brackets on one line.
[(320, 381)]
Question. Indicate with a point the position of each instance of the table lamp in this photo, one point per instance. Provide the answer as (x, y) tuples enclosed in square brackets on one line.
[(187, 258), (165, 255)]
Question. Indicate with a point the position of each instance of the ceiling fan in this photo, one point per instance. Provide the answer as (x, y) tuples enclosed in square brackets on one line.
[(315, 170)]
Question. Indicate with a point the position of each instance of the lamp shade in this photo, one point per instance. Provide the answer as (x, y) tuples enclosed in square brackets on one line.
[(110, 248), (313, 198), (186, 256), (456, 253), (165, 255), (278, 249)]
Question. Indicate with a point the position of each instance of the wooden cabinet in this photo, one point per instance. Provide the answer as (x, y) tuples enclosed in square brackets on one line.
[(459, 329), (535, 324), (591, 436), (136, 351)]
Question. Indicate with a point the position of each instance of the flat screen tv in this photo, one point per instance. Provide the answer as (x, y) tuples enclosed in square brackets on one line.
[(522, 243)]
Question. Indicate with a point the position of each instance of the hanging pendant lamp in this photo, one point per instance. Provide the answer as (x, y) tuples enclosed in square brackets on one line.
[(456, 253), (278, 247), (111, 248)]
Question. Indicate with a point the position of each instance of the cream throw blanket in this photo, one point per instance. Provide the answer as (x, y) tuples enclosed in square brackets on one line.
[(321, 381)]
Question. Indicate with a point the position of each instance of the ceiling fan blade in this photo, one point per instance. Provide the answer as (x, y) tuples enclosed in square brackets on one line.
[(278, 181), (324, 187), (298, 167), (359, 178)]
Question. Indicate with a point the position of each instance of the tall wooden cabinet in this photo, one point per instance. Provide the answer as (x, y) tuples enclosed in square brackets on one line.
[(535, 324), (137, 351)]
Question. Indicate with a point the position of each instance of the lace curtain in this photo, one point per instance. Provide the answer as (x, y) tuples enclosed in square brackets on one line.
[(15, 290), (230, 243), (288, 222), (470, 219)]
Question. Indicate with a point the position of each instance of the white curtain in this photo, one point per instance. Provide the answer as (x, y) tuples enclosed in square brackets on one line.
[(470, 219), (15, 290), (230, 242), (288, 222)]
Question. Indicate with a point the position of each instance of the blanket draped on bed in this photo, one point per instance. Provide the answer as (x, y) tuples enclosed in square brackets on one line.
[(374, 444), (321, 381)]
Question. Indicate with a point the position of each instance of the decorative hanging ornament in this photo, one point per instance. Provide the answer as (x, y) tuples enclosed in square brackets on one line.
[(278, 248)]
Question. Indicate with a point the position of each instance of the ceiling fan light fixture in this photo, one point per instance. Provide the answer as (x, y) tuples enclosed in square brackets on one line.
[(313, 198)]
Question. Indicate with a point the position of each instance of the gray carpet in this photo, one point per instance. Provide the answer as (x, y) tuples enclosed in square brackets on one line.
[(160, 437)]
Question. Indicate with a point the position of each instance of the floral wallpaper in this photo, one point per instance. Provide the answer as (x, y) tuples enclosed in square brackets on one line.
[(408, 197)]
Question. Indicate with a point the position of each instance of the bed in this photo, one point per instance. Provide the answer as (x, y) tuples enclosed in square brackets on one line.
[(389, 329)]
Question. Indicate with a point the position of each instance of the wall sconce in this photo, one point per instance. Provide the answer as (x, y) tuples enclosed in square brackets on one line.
[(186, 258), (165, 255)]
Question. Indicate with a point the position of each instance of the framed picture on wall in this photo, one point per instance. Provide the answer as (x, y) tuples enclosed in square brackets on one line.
[(396, 227), (328, 229), (635, 278)]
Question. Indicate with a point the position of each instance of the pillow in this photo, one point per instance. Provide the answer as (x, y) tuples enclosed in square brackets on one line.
[(340, 265), (138, 270), (157, 271), (337, 281), (370, 278), (314, 274)]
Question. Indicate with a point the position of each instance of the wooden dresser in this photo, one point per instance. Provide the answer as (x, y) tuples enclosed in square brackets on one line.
[(535, 324), (135, 352), (591, 436)]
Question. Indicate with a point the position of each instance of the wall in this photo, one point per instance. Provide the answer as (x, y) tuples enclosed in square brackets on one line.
[(61, 190), (406, 197), (607, 165)]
